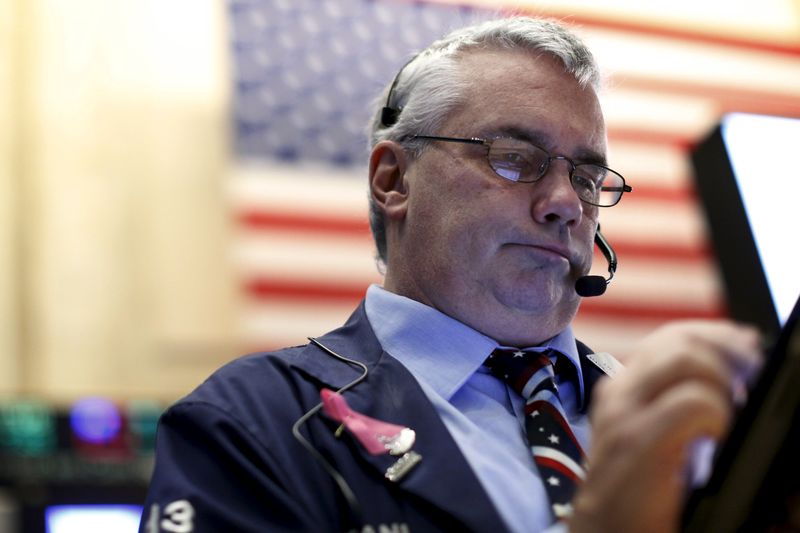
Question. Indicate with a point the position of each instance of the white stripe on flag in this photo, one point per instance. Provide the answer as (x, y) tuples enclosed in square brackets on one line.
[(564, 459), (536, 379)]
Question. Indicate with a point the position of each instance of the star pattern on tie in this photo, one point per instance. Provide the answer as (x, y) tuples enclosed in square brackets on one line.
[(562, 511), (556, 452)]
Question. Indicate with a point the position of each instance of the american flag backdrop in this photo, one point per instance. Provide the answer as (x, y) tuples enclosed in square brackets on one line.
[(306, 72)]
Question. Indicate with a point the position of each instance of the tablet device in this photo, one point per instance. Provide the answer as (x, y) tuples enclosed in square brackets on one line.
[(749, 187), (756, 468)]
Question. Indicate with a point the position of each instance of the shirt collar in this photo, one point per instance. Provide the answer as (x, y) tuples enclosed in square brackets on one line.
[(438, 349)]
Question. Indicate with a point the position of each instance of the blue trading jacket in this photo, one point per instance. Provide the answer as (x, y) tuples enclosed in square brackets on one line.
[(226, 459)]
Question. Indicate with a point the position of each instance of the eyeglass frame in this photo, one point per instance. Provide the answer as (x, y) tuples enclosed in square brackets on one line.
[(488, 144)]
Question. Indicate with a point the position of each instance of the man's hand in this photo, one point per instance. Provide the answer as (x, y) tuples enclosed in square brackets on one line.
[(678, 387)]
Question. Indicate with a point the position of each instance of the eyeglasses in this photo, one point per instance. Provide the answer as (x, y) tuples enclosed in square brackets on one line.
[(521, 161)]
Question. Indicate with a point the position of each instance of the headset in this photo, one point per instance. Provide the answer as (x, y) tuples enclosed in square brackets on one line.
[(389, 114), (349, 496), (596, 285), (585, 286)]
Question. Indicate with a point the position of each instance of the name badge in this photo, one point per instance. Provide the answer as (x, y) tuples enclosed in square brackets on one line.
[(606, 362)]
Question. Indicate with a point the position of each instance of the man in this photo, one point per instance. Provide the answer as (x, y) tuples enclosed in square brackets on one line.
[(485, 184)]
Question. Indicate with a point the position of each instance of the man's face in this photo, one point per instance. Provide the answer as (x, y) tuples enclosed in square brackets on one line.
[(501, 256)]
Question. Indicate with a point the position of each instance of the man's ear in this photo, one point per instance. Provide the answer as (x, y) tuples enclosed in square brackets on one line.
[(387, 179)]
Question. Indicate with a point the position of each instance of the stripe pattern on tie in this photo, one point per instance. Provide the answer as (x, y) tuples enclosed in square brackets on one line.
[(556, 452)]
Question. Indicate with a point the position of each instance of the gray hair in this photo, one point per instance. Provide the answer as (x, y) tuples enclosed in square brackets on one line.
[(430, 86)]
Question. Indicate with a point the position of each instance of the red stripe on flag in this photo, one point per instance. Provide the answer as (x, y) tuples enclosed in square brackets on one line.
[(601, 308), (654, 29), (522, 378), (661, 251), (555, 465), (727, 98), (260, 219), (678, 195), (266, 288), (637, 135)]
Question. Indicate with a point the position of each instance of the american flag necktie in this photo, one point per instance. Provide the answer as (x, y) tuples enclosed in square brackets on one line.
[(556, 451)]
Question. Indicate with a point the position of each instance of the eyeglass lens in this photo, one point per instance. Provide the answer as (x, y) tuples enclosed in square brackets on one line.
[(517, 160)]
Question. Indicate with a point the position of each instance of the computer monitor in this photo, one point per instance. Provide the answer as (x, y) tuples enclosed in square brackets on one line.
[(748, 179), (76, 518)]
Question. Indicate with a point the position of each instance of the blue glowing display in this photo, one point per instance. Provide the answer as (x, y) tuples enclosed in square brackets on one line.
[(95, 420)]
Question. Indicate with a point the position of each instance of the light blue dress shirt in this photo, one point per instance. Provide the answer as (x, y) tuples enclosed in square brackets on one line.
[(484, 415)]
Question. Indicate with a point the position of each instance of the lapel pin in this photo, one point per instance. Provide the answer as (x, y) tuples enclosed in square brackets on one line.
[(402, 466), (376, 436)]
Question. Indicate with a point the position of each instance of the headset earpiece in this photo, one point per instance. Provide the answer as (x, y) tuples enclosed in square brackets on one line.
[(390, 114)]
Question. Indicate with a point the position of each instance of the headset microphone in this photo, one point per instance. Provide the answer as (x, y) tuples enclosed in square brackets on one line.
[(596, 285)]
